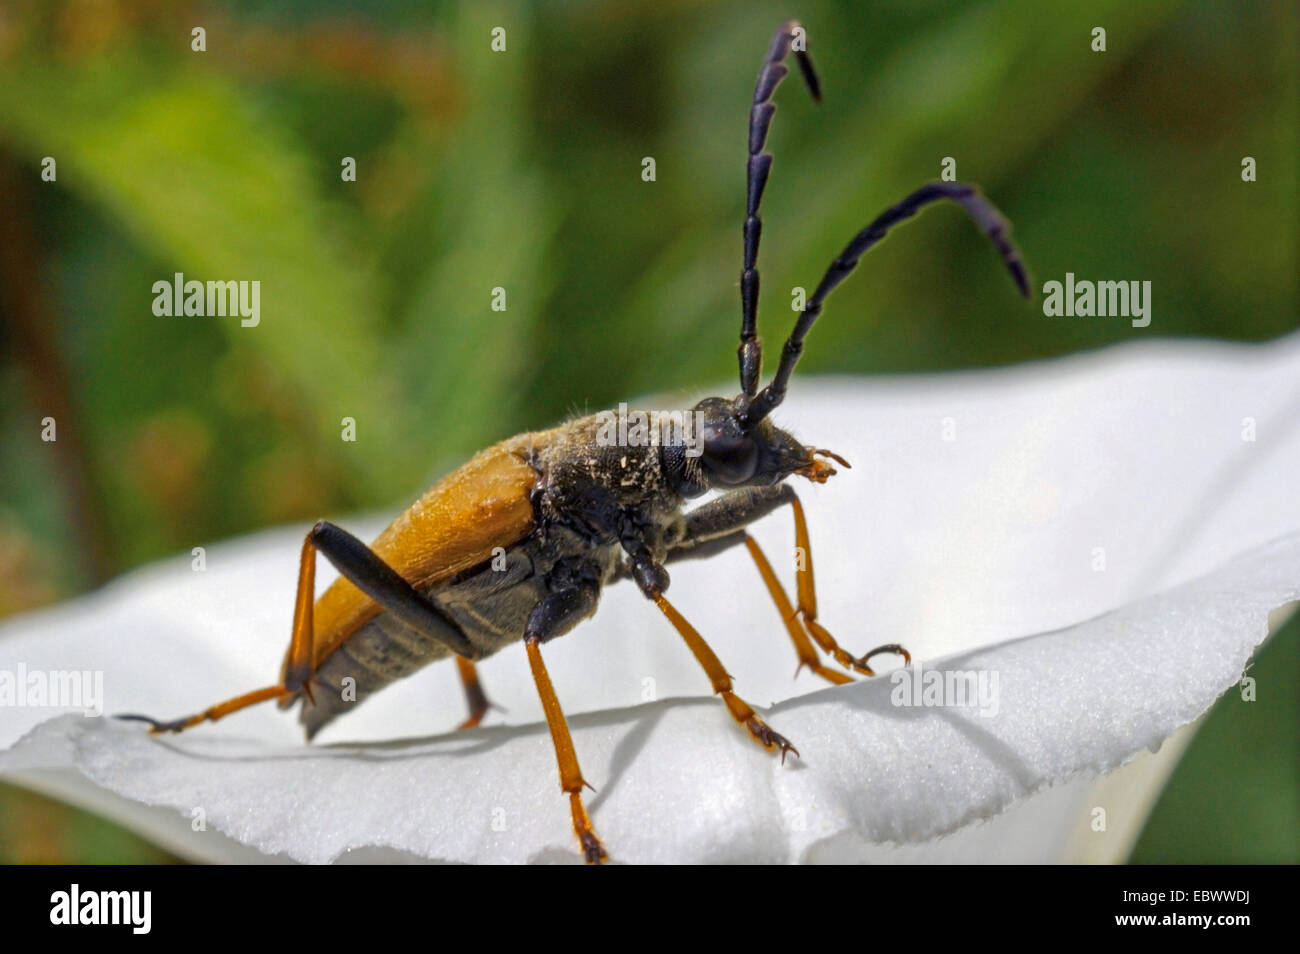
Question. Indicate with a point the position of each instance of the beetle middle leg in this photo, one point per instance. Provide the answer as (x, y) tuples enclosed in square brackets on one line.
[(475, 698), (554, 616), (370, 574)]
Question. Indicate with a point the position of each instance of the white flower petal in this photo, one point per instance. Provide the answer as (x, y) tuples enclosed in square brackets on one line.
[(680, 783)]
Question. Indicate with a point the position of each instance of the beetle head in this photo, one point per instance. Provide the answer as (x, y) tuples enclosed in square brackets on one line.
[(735, 453)]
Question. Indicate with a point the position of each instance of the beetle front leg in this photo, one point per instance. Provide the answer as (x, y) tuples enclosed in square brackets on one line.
[(653, 580), (720, 525), (807, 605), (803, 646)]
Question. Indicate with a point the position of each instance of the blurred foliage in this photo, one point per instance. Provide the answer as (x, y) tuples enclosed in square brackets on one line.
[(523, 170)]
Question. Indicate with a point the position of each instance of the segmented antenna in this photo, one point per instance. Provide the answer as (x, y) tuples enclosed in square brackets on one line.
[(980, 209), (750, 352)]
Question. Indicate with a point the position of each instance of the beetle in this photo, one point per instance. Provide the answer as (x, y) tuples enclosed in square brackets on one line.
[(517, 544)]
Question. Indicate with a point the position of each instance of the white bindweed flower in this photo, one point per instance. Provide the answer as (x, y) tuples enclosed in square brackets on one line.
[(1130, 506)]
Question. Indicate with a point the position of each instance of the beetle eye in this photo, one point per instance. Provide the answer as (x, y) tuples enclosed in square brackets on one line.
[(730, 460)]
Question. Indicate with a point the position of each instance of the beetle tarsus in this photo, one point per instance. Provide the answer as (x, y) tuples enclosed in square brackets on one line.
[(212, 713), (475, 718), (763, 733), (834, 677), (156, 727), (592, 850), (894, 648), (769, 738), (860, 664)]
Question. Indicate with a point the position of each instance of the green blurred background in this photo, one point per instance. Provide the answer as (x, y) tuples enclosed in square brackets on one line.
[(523, 170)]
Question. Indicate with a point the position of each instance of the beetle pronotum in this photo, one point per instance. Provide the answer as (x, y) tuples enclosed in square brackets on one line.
[(573, 512)]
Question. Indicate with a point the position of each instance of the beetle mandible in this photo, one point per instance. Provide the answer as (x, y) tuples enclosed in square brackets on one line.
[(570, 511)]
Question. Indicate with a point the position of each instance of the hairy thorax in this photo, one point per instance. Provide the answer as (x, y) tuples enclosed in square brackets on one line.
[(605, 482)]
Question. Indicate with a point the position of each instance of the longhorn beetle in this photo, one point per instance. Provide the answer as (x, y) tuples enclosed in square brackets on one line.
[(573, 512)]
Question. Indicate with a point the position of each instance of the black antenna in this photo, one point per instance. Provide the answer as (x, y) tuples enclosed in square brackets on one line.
[(980, 209), (750, 351)]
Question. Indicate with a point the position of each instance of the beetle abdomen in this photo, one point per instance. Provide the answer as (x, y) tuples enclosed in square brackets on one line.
[(382, 651), (490, 607)]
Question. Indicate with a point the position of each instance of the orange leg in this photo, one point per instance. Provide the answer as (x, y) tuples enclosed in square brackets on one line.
[(213, 713), (803, 646), (740, 710), (368, 571), (571, 780), (295, 672), (807, 610), (475, 697), (298, 662)]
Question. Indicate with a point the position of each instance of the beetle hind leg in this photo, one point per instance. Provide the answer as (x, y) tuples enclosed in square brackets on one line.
[(295, 673), (212, 713)]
